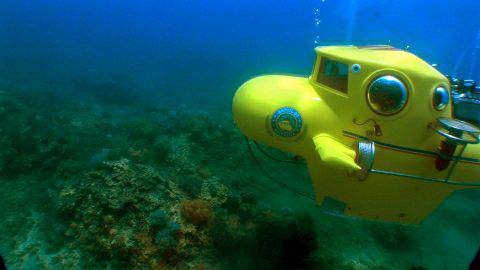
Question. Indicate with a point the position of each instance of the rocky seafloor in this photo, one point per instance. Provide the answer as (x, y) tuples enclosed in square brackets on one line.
[(106, 183)]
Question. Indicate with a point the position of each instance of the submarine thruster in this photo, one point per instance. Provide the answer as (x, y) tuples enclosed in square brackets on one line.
[(376, 127)]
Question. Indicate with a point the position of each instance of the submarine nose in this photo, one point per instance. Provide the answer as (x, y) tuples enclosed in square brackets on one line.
[(272, 105), (252, 104)]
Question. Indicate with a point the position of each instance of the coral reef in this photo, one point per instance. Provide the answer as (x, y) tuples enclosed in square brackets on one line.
[(107, 210), (198, 212), (141, 187)]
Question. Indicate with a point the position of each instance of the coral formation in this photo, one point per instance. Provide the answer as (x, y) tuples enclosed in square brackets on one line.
[(198, 212), (149, 188)]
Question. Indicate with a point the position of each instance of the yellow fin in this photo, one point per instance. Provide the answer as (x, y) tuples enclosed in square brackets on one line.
[(335, 154)]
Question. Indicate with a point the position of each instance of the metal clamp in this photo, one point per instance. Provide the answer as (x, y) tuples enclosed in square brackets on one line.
[(365, 158)]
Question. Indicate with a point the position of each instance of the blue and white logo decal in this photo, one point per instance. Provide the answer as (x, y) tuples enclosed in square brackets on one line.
[(287, 122)]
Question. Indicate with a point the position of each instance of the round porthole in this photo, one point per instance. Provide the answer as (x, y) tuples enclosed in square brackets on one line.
[(387, 95), (441, 98), (356, 68)]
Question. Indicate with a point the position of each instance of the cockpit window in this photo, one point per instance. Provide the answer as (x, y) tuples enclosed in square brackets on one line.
[(333, 74)]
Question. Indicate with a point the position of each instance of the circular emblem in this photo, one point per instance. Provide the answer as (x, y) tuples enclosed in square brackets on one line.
[(356, 68), (286, 122)]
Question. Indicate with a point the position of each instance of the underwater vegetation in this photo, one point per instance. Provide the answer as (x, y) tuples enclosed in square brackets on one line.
[(103, 185), (112, 89)]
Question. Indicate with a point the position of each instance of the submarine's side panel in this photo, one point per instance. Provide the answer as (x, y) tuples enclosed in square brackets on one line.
[(382, 197)]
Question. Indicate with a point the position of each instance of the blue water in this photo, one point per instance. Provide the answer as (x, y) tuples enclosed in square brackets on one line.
[(209, 47), (189, 57)]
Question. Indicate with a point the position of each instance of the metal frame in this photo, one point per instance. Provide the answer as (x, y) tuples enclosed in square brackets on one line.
[(445, 180)]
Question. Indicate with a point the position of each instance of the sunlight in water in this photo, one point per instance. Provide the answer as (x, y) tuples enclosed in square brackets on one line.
[(473, 62), (352, 19)]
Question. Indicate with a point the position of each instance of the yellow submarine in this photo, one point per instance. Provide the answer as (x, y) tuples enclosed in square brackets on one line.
[(375, 125)]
